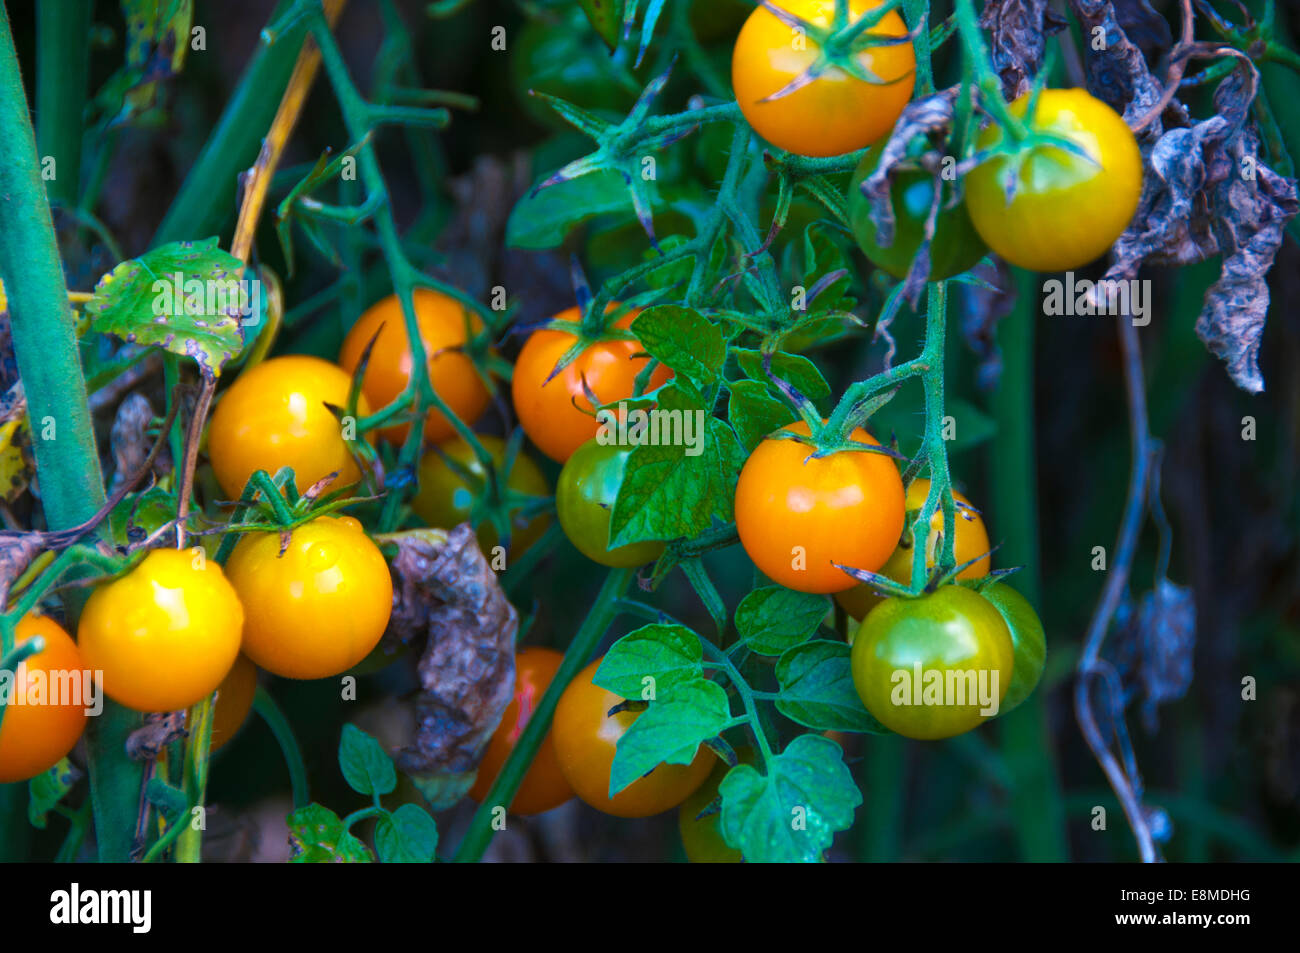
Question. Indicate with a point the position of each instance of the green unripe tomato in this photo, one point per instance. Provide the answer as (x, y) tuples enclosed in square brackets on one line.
[(956, 246), (935, 666), (584, 502), (1027, 640)]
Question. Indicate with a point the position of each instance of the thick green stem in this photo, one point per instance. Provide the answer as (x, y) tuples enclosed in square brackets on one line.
[(602, 612), (883, 776), (1036, 791), (63, 54)]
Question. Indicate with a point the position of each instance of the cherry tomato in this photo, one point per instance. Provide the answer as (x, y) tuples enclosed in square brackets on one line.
[(546, 408), (835, 113), (234, 701), (318, 609), (585, 739), (934, 666), (1066, 210), (972, 542), (701, 836), (274, 416), (1027, 639), (584, 502), (445, 326), (544, 786), (445, 500), (796, 515), (955, 247), (45, 703), (163, 636)]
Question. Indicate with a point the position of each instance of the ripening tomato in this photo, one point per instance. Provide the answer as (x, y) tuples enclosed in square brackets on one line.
[(955, 247), (274, 416), (445, 499), (585, 739), (1027, 640), (934, 666), (445, 326), (797, 515), (45, 707), (584, 503), (836, 112), (971, 542), (234, 701), (1066, 210), (318, 609), (702, 836), (163, 636), (555, 413), (543, 787)]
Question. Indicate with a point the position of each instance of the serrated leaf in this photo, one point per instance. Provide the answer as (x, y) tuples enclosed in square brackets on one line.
[(407, 836), (774, 619), (754, 412), (792, 368), (47, 789), (669, 493), (668, 654), (365, 764), (794, 811), (817, 689), (670, 730), (184, 297), (544, 219), (683, 339), (317, 836)]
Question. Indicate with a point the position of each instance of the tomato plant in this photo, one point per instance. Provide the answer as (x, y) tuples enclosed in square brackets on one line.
[(589, 485)]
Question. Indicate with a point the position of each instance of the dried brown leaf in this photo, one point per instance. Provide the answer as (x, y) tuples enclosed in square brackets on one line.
[(158, 731), (1018, 31), (128, 438)]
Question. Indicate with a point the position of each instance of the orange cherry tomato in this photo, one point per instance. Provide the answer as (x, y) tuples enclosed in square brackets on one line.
[(274, 416), (546, 408), (585, 739), (234, 701), (544, 786), (445, 327), (45, 710), (796, 516), (836, 112)]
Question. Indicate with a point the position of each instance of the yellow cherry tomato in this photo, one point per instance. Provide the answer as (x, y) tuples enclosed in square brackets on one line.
[(234, 701), (45, 710)]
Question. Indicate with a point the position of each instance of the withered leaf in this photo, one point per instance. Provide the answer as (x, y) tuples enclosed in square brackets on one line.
[(158, 731), (447, 593), (1117, 71), (1018, 31), (17, 550), (1157, 646), (128, 439)]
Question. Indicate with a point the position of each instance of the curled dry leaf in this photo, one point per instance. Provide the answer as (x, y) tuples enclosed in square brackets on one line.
[(1157, 646), (128, 438), (1018, 31), (447, 594), (17, 550), (1117, 71), (982, 307), (158, 731)]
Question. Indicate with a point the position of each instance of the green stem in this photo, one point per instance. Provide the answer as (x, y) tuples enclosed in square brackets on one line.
[(1036, 796), (578, 654), (63, 53), (883, 777), (270, 713)]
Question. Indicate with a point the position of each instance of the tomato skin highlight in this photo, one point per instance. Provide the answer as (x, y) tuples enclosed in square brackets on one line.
[(836, 113), (546, 408), (956, 246), (320, 608), (1028, 641), (163, 636), (274, 416), (1066, 211), (544, 787), (34, 737), (584, 503), (444, 500), (234, 702), (953, 629), (585, 739), (787, 504), (443, 331), (972, 542)]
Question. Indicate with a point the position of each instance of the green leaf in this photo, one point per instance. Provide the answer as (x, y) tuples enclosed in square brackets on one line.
[(544, 219), (669, 490), (683, 339), (793, 812), (754, 412), (774, 619), (406, 836), (670, 730), (365, 764), (47, 789), (668, 654), (817, 689), (606, 16), (795, 369), (184, 297), (317, 836)]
